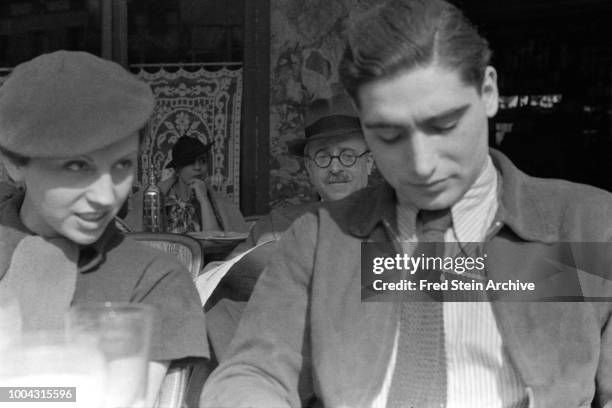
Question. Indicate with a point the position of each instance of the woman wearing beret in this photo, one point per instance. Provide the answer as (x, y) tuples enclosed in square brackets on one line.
[(69, 126), (191, 205)]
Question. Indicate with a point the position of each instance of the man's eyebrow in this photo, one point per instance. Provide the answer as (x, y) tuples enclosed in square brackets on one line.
[(448, 114), (381, 126)]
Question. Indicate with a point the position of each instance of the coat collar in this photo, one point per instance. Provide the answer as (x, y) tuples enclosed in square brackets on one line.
[(521, 207), (13, 230)]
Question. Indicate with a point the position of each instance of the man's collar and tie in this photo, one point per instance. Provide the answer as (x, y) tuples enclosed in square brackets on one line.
[(419, 378), (429, 348)]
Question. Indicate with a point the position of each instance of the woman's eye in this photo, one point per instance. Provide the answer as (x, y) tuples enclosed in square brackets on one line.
[(125, 164), (76, 166)]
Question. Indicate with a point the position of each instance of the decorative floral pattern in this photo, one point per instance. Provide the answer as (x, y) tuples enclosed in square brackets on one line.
[(306, 48), (203, 104), (182, 216)]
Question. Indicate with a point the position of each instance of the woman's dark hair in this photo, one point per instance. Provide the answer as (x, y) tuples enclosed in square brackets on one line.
[(401, 35), (15, 157)]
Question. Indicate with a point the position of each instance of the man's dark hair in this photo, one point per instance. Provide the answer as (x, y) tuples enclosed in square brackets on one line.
[(400, 35)]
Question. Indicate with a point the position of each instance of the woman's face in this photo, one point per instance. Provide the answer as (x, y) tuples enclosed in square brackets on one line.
[(77, 196), (196, 170)]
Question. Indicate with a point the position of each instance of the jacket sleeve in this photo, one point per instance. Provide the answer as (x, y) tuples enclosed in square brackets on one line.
[(268, 361), (603, 379), (229, 216), (604, 372)]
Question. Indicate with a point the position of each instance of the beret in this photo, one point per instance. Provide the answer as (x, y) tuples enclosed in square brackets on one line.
[(327, 118), (69, 103)]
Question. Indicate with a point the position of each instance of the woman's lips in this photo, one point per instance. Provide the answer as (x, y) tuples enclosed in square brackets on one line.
[(93, 216)]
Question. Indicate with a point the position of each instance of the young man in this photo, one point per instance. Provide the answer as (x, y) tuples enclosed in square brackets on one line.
[(419, 73)]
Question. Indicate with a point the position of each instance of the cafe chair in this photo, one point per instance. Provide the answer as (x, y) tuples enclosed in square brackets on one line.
[(187, 250)]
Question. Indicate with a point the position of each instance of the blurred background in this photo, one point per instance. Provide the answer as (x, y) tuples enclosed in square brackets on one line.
[(242, 71)]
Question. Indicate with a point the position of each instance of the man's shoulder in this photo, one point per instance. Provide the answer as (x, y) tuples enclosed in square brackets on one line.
[(553, 209), (290, 213), (553, 193), (569, 192)]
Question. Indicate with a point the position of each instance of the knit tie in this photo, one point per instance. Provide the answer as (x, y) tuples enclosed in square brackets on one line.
[(419, 378)]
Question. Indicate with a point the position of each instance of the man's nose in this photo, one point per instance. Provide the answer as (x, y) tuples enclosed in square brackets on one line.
[(102, 190), (422, 155), (335, 166)]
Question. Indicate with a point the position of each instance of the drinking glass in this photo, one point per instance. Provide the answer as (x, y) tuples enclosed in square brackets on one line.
[(10, 318), (123, 332), (49, 359)]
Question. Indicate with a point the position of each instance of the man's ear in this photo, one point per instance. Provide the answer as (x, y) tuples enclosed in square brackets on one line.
[(307, 164), (369, 162), (489, 91)]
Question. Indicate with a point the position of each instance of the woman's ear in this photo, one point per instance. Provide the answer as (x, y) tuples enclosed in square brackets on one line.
[(14, 170)]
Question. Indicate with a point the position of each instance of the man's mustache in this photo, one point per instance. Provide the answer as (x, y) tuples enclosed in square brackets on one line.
[(340, 177)]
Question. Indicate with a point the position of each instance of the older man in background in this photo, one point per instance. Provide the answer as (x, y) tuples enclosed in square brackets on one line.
[(336, 158)]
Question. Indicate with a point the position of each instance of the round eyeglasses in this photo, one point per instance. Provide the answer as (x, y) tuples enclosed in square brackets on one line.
[(346, 157)]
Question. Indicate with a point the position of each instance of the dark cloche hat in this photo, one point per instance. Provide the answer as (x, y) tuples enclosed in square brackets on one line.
[(326, 118), (186, 150), (69, 103)]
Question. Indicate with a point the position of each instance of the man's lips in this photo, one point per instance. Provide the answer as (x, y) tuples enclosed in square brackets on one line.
[(429, 185), (337, 178)]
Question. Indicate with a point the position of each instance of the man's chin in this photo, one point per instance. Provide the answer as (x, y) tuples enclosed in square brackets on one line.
[(434, 201), (337, 191)]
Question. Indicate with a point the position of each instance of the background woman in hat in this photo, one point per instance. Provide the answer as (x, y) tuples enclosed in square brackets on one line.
[(69, 126), (191, 205)]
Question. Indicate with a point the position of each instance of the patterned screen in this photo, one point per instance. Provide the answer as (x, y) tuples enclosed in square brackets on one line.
[(200, 103)]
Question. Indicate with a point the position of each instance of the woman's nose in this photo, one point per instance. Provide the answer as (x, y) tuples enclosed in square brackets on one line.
[(102, 191)]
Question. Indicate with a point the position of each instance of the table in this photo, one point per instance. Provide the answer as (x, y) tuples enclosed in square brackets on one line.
[(216, 250)]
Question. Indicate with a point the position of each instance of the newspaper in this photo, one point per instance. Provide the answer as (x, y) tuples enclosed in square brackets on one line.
[(208, 281)]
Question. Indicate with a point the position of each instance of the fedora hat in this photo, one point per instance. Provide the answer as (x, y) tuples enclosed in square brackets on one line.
[(186, 150), (69, 103), (327, 118)]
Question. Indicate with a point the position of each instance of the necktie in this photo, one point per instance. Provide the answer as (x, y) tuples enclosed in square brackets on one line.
[(419, 378)]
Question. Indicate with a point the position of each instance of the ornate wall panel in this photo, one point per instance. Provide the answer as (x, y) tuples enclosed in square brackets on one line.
[(198, 103)]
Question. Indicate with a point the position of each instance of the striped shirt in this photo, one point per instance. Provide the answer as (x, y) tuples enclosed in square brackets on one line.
[(479, 371)]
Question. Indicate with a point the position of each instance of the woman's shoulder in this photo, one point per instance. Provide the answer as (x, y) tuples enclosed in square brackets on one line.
[(166, 184)]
